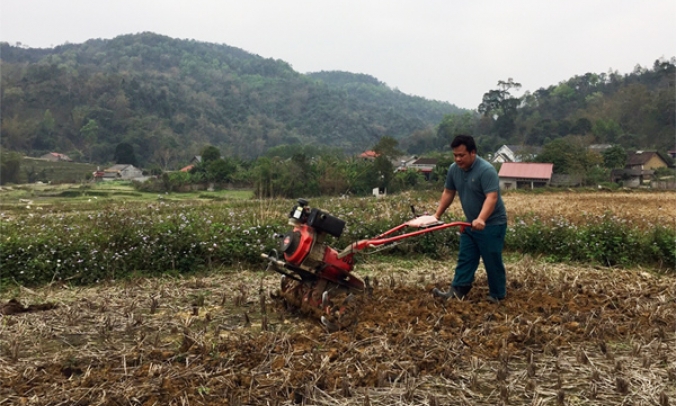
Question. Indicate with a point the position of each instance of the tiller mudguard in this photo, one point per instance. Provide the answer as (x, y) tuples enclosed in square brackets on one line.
[(316, 278)]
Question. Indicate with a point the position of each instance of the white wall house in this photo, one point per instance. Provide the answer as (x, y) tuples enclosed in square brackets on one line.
[(122, 172)]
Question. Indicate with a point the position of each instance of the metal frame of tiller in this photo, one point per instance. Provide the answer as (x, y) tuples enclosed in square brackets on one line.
[(381, 240)]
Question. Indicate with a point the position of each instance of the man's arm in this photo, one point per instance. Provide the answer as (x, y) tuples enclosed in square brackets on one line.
[(446, 199), (486, 210)]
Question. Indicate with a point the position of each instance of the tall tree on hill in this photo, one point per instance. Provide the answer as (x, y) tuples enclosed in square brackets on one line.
[(387, 147), (452, 125), (45, 138), (124, 154), (89, 133), (501, 107)]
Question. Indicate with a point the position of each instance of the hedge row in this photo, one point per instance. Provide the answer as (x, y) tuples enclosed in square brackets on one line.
[(85, 248)]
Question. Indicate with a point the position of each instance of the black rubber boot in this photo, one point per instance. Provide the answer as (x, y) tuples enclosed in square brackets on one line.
[(452, 293)]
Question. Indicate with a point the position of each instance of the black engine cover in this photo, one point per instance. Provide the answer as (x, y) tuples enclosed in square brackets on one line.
[(325, 222)]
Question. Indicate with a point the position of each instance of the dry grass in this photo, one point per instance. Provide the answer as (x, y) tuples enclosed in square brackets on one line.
[(643, 209), (565, 336)]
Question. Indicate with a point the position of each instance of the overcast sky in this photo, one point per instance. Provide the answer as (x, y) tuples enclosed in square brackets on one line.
[(446, 50)]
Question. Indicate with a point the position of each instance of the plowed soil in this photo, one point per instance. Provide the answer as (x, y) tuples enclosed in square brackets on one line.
[(564, 335)]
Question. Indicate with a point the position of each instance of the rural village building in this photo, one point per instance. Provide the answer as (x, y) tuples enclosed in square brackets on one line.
[(520, 175), (55, 156), (645, 160), (422, 165), (402, 163), (122, 172), (514, 153), (368, 155), (639, 169)]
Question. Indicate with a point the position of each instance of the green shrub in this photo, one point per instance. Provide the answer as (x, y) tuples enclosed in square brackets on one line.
[(605, 241), (115, 241)]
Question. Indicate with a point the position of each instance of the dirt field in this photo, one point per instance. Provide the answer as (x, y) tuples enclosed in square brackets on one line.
[(566, 335)]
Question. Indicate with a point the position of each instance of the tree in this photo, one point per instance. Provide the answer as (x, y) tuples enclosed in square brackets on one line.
[(210, 153), (387, 147), (452, 125), (502, 107), (124, 154), (89, 134), (569, 155), (614, 157), (564, 155), (220, 170), (581, 127), (607, 130), (10, 167), (45, 139), (385, 170)]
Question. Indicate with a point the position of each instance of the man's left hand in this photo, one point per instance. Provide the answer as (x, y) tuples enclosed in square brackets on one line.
[(478, 224)]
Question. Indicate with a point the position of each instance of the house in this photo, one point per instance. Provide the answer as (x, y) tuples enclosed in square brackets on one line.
[(672, 153), (514, 153), (369, 155), (401, 163), (519, 175), (646, 160), (196, 160), (55, 156), (122, 172), (423, 165), (639, 169), (187, 168), (631, 177)]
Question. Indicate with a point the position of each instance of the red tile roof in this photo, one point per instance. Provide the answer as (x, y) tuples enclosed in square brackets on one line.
[(368, 154), (526, 170)]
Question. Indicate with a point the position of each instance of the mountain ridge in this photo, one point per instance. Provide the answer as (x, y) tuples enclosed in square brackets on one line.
[(160, 93)]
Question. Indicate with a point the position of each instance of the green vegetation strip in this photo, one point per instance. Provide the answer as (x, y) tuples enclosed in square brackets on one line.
[(118, 241)]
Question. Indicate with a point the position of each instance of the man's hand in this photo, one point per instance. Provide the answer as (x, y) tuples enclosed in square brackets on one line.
[(422, 221), (478, 224)]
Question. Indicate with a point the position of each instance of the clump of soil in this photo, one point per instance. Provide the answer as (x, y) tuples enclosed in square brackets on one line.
[(585, 335), (13, 307)]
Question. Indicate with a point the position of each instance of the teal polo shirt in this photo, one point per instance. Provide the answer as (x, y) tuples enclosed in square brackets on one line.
[(472, 186)]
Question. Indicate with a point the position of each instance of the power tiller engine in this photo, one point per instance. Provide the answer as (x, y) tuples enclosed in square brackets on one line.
[(315, 274)]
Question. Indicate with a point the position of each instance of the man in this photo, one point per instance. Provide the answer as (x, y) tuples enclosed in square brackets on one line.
[(476, 182)]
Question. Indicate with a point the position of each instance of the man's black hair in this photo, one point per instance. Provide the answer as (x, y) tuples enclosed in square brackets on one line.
[(466, 140)]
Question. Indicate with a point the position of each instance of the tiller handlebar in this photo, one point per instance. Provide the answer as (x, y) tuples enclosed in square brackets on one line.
[(382, 239)]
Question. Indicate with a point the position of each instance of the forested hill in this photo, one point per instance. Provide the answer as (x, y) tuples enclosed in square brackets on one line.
[(169, 98)]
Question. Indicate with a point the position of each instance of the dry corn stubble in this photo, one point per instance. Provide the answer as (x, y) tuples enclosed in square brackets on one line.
[(565, 334)]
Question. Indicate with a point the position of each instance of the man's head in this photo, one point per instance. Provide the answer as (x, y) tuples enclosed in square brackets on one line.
[(464, 151)]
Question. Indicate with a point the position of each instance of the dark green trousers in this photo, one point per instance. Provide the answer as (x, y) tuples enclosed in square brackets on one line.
[(486, 244)]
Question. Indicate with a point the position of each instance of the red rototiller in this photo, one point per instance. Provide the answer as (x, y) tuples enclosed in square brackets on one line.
[(314, 275)]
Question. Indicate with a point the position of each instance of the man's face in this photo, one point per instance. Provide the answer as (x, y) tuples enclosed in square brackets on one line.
[(463, 158)]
